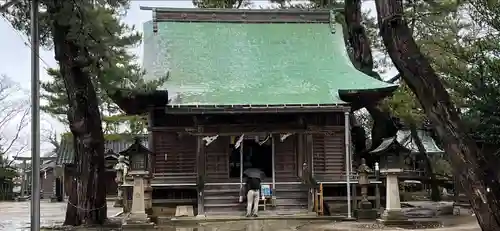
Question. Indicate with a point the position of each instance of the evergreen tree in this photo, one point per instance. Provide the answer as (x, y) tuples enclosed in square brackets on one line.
[(91, 46)]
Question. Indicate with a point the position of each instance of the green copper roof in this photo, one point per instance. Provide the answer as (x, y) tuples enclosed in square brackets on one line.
[(257, 64)]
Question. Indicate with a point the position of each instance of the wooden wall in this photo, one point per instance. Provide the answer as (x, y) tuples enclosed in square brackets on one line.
[(329, 155), (175, 149), (47, 183), (217, 160), (174, 156), (285, 158)]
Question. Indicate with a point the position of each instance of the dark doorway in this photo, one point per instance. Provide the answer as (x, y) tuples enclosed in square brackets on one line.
[(255, 155)]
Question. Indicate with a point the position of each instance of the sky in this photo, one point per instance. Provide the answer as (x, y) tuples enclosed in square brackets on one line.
[(15, 61)]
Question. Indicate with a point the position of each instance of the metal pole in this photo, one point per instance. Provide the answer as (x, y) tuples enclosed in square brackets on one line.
[(35, 119), (348, 162), (241, 170), (273, 168), (241, 163)]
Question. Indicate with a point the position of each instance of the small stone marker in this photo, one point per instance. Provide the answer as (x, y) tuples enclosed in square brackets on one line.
[(184, 211)]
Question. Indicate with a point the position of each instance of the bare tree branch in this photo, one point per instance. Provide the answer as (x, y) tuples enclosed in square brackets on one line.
[(14, 117), (50, 136), (22, 124)]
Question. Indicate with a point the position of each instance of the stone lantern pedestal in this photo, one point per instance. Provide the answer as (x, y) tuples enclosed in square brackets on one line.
[(392, 214), (138, 217)]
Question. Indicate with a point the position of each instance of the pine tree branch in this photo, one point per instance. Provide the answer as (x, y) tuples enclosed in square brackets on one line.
[(5, 6)]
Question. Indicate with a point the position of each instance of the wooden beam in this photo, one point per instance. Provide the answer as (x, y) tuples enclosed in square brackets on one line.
[(236, 130), (29, 158), (200, 164)]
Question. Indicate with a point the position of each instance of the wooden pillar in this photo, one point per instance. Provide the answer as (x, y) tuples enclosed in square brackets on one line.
[(301, 159), (307, 168), (151, 142), (148, 189), (308, 154), (200, 164), (308, 150), (24, 181), (354, 193)]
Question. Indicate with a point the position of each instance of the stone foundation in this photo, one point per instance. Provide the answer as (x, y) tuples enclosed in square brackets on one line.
[(366, 214)]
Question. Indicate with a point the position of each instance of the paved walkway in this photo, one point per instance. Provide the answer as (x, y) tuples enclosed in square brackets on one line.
[(301, 225), (16, 215)]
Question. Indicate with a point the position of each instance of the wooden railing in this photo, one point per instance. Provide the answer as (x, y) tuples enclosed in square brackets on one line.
[(318, 200)]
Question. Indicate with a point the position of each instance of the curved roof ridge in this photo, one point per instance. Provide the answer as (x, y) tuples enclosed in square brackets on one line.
[(161, 14)]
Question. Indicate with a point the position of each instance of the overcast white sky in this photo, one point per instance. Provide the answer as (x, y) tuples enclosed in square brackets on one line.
[(15, 58)]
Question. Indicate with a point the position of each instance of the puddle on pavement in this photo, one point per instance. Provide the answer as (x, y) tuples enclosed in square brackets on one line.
[(256, 225), (295, 225)]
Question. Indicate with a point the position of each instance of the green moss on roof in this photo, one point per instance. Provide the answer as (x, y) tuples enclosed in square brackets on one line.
[(258, 64)]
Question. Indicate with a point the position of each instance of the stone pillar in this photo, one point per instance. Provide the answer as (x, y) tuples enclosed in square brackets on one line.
[(393, 203), (148, 196), (119, 182), (138, 216), (126, 194)]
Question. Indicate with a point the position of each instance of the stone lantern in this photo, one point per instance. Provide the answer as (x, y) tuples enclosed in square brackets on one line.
[(391, 166), (121, 173), (365, 210), (139, 157)]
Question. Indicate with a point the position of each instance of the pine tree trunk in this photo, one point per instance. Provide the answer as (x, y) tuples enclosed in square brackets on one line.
[(362, 59), (476, 171), (71, 217), (83, 116)]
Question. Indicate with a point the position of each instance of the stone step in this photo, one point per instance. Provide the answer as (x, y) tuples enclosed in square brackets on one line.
[(291, 194), (219, 191), (221, 199)]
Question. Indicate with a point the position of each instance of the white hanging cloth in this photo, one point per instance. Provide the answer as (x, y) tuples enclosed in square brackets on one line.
[(209, 139), (284, 136), (240, 140), (265, 140)]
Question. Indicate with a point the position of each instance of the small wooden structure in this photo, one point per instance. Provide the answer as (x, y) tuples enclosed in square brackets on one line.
[(406, 148)]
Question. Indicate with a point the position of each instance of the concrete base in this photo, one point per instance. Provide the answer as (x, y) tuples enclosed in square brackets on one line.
[(366, 214), (118, 203), (22, 198), (138, 221), (396, 215), (137, 218), (395, 218)]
